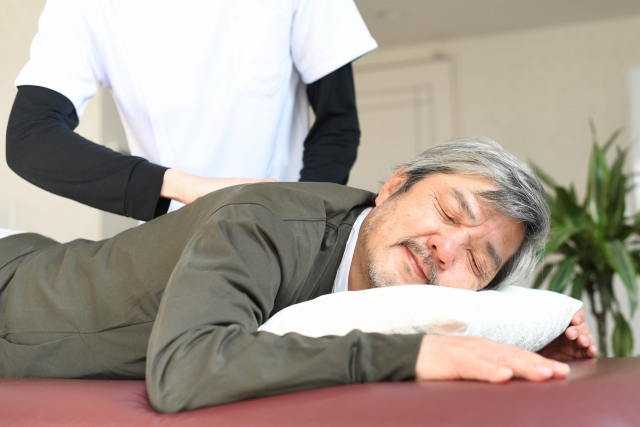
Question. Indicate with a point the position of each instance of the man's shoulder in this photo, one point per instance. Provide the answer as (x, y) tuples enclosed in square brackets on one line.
[(294, 200)]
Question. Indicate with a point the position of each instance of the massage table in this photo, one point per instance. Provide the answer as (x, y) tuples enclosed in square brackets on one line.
[(598, 392)]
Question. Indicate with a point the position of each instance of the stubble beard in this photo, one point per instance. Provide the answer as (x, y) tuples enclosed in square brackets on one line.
[(377, 274)]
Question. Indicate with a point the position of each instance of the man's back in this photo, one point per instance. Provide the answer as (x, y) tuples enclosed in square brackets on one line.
[(86, 309)]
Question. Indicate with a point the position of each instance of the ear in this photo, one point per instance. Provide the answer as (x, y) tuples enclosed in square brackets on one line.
[(393, 184)]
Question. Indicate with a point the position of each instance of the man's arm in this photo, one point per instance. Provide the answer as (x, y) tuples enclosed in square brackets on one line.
[(331, 147), (450, 358), (471, 358), (205, 349), (575, 343)]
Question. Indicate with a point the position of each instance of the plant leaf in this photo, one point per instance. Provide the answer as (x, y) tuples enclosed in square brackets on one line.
[(563, 275), (544, 177), (567, 207), (635, 224), (597, 186), (617, 192), (611, 139), (558, 237), (622, 339), (620, 261), (579, 282), (592, 128), (542, 275)]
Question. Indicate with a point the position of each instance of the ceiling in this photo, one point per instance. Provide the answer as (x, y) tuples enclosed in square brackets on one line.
[(395, 22)]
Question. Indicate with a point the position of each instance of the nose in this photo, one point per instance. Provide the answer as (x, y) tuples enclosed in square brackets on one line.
[(443, 250)]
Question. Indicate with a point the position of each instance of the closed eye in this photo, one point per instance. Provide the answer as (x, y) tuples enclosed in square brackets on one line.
[(474, 265), (477, 265)]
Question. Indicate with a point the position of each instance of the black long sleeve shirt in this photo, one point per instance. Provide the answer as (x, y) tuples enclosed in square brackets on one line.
[(43, 148)]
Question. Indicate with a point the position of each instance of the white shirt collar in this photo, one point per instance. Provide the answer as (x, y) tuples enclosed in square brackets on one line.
[(341, 283)]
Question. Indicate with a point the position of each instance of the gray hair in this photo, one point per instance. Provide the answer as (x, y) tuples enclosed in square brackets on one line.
[(519, 196)]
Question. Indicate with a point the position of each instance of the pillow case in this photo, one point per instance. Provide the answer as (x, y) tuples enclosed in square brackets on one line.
[(528, 318), (5, 232)]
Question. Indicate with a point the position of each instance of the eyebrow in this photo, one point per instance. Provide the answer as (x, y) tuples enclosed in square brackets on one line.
[(464, 204), (497, 259)]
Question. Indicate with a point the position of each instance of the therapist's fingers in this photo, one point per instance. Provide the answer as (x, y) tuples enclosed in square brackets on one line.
[(186, 188), (208, 185)]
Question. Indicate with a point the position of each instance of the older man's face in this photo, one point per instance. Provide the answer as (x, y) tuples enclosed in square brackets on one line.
[(440, 232)]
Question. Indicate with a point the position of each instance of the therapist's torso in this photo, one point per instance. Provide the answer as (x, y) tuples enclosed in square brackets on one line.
[(215, 88)]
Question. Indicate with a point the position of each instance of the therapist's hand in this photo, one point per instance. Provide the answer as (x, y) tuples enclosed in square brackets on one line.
[(471, 358), (575, 343), (185, 188)]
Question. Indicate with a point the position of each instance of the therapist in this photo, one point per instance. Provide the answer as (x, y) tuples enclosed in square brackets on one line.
[(210, 94)]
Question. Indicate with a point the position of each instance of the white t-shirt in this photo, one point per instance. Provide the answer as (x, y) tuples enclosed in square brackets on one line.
[(215, 88)]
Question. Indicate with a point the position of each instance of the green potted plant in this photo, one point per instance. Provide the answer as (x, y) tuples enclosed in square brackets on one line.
[(592, 241)]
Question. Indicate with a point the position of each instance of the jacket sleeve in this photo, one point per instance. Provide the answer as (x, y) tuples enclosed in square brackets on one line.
[(43, 148), (331, 147), (205, 349)]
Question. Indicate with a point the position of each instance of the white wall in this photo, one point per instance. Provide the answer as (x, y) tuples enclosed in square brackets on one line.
[(37, 210), (533, 91)]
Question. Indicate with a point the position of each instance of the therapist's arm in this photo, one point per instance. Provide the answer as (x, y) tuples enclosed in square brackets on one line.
[(332, 144), (43, 148), (186, 188)]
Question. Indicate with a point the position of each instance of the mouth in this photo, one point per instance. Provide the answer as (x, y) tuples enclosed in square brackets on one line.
[(416, 266)]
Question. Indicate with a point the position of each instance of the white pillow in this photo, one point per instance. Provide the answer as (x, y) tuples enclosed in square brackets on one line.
[(5, 232), (528, 318)]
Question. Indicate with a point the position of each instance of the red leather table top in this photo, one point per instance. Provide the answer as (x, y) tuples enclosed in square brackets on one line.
[(603, 392)]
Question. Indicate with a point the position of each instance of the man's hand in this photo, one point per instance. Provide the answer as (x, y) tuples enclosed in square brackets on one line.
[(575, 343), (186, 188), (471, 358)]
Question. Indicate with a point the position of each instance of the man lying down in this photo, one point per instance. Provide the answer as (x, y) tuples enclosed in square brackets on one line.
[(179, 300)]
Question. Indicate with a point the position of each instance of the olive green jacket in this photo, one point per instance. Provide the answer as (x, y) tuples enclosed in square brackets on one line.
[(179, 300)]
